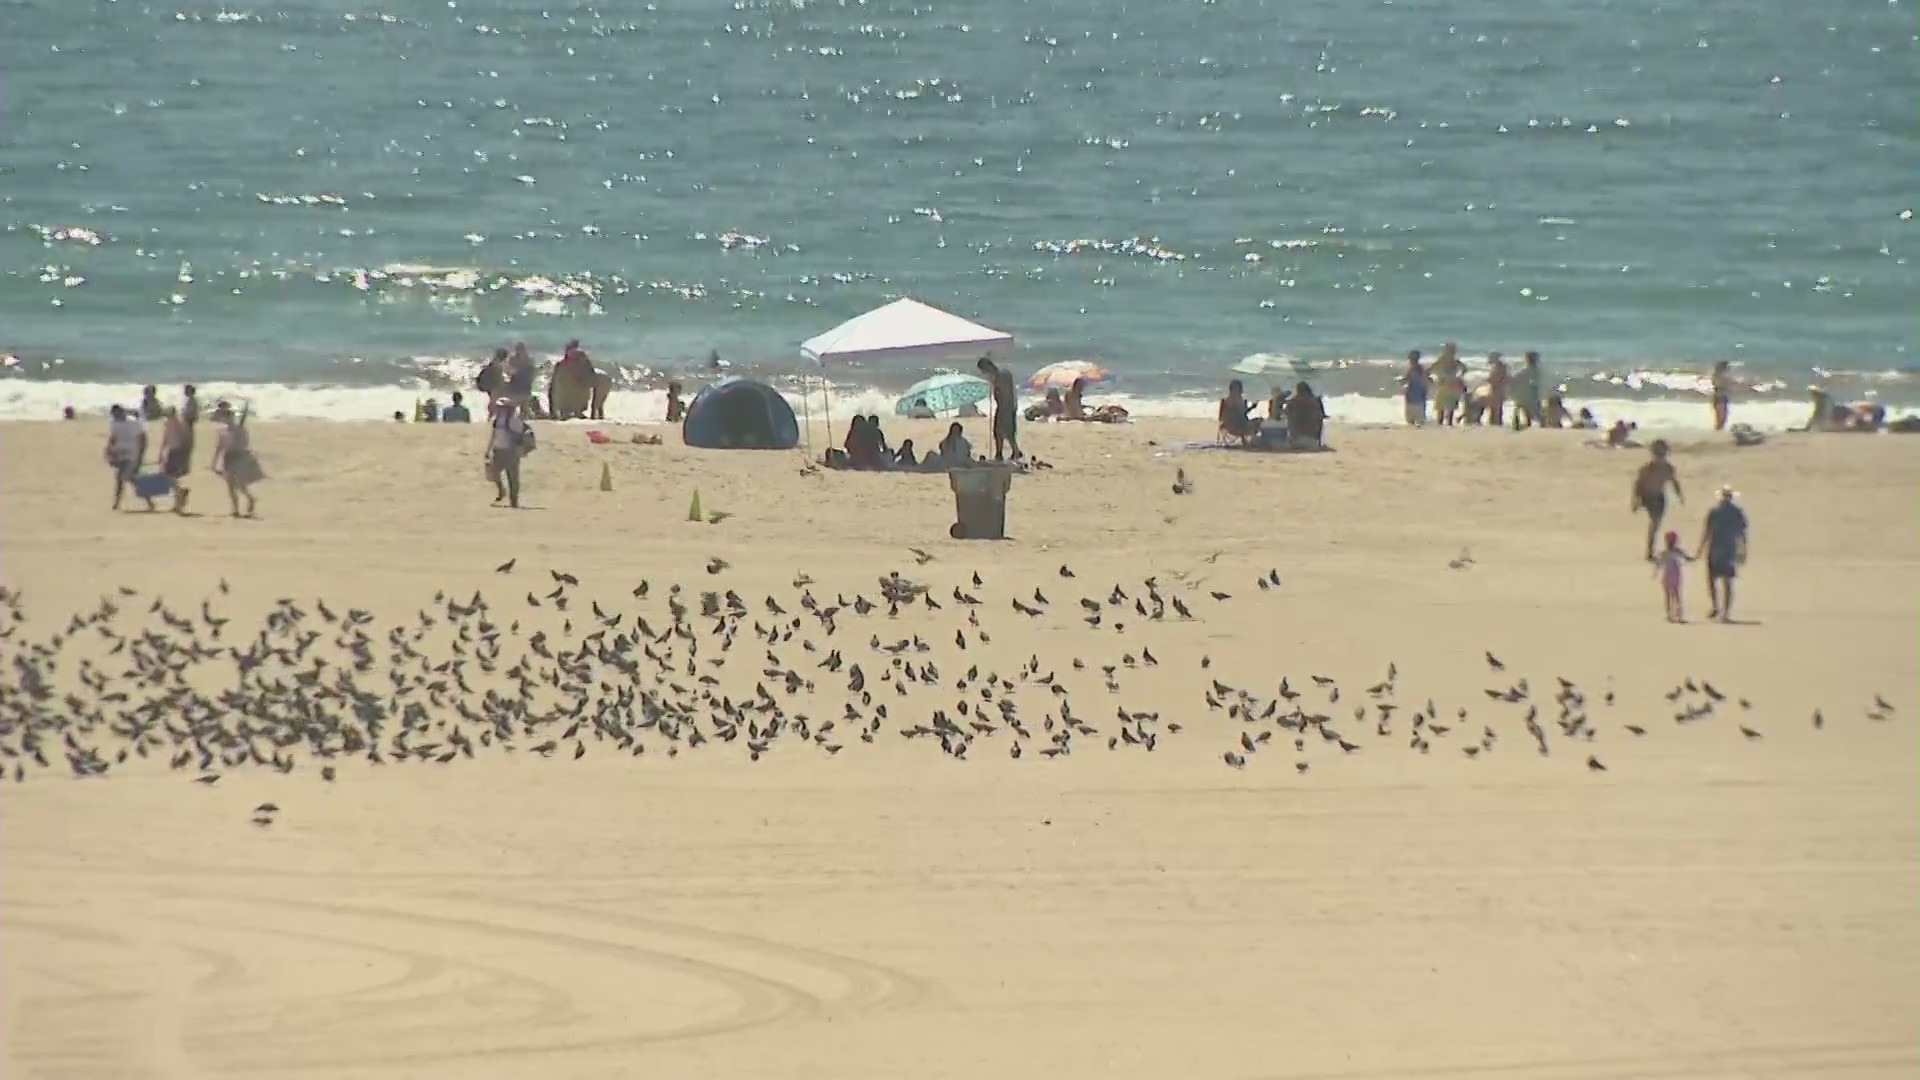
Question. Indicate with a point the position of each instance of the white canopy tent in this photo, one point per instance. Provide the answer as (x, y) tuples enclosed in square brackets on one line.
[(905, 333)]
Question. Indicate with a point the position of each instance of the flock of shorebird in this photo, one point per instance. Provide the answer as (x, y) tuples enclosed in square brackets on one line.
[(539, 675)]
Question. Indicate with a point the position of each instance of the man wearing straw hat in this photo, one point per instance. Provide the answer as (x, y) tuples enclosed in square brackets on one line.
[(1724, 543)]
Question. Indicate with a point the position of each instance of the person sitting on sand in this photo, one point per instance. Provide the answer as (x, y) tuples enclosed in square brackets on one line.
[(1864, 416), (1650, 486), (233, 458), (126, 449), (1306, 417), (176, 455), (1236, 414), (854, 445), (904, 456), (1277, 405), (1556, 416), (676, 409), (1586, 421), (866, 444), (955, 450), (1075, 405), (920, 410), (456, 412), (150, 407), (1051, 408), (1620, 436)]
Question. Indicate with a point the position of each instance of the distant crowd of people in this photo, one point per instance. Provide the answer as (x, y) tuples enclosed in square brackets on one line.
[(1442, 387), (510, 373)]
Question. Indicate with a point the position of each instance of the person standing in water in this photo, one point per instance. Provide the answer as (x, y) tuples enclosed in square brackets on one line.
[(1722, 383), (1526, 393), (233, 458), (1448, 377), (1723, 540), (1415, 382), (1650, 490), (1496, 412), (1006, 410)]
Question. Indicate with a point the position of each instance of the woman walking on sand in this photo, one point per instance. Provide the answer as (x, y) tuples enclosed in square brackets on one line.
[(508, 441), (233, 458)]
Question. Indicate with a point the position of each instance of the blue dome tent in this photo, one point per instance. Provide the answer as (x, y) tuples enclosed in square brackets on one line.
[(740, 414)]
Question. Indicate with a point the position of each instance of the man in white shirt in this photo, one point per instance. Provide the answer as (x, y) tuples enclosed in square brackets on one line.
[(126, 449), (507, 443)]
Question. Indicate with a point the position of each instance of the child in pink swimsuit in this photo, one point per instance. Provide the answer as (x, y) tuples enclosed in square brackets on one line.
[(1669, 566)]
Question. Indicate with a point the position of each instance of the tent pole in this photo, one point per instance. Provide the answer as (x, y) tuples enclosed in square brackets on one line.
[(826, 405), (806, 414)]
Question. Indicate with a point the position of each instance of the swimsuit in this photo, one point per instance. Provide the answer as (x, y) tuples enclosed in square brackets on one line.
[(1670, 571)]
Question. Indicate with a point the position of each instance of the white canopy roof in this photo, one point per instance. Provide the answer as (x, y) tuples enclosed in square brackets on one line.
[(906, 331)]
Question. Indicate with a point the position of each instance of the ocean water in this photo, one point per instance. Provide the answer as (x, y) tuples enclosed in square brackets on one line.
[(333, 206)]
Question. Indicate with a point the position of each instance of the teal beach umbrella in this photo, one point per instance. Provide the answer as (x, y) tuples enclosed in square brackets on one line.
[(944, 393)]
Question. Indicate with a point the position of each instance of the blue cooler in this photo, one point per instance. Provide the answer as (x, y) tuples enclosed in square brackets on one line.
[(152, 485)]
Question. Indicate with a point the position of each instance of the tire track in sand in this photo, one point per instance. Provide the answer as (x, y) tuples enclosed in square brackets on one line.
[(481, 978)]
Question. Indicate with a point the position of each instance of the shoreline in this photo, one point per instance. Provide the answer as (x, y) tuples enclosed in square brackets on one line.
[(34, 402)]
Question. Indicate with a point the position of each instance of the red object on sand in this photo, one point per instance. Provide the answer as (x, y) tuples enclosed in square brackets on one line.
[(598, 438)]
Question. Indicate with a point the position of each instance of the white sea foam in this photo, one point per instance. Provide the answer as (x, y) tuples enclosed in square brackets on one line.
[(45, 400)]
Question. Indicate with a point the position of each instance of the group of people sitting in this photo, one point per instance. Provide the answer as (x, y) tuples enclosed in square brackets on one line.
[(1296, 419), (866, 447), (1073, 406), (1857, 416)]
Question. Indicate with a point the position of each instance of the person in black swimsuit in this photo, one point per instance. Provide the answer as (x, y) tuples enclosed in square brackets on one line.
[(1650, 490)]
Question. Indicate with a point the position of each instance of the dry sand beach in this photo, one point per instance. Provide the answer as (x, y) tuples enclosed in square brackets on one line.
[(692, 883)]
